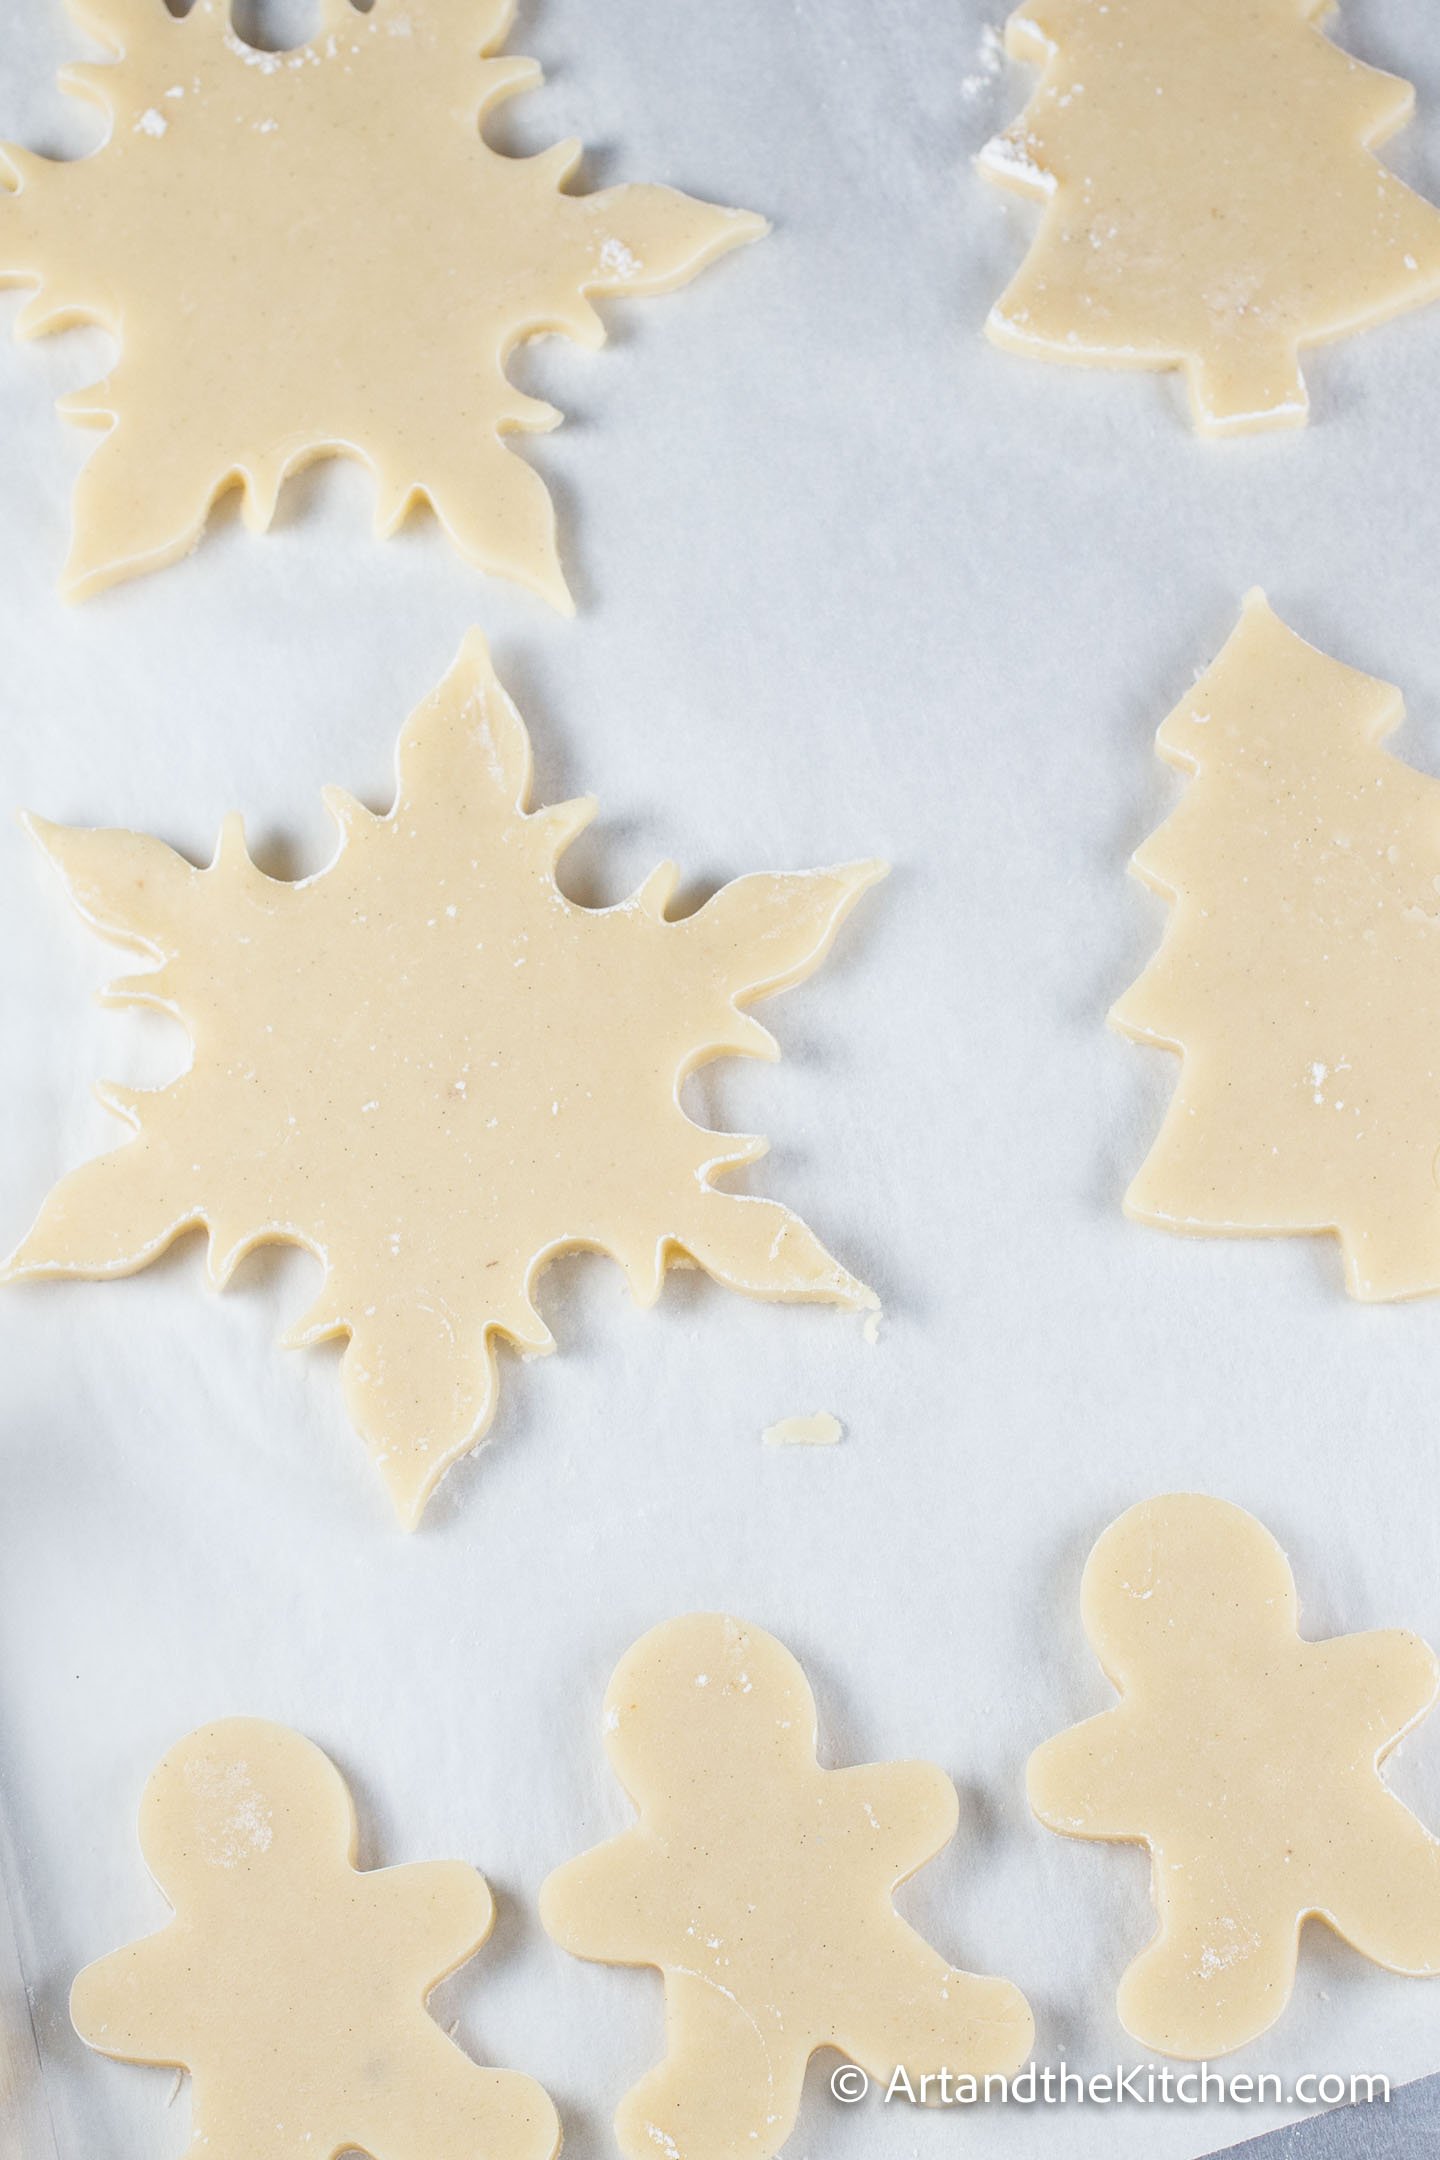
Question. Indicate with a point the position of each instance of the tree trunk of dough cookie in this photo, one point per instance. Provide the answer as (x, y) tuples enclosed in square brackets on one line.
[(1206, 1988), (726, 2085), (1395, 1255), (1239, 387), (1214, 1171)]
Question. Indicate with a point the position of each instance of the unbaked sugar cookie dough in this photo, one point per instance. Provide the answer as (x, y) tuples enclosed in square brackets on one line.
[(311, 253), (1247, 1759), (434, 1071), (1210, 200), (761, 1886), (291, 1985), (1298, 969)]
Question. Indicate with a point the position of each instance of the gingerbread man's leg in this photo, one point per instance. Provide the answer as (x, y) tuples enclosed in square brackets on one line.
[(439, 2105), (242, 2133), (919, 2014), (1219, 1972), (727, 2084), (1384, 1892)]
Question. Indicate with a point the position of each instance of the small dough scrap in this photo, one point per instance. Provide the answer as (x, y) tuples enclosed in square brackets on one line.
[(1296, 976), (761, 1886), (432, 1070), (316, 253), (822, 1430), (1210, 197), (1247, 1760), (293, 1987)]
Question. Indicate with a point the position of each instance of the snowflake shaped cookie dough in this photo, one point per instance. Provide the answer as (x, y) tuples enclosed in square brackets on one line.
[(291, 1984), (316, 253), (1247, 1759), (434, 1071), (762, 1886)]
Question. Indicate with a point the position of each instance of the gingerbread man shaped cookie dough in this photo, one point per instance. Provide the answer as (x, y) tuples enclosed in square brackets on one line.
[(1247, 1760), (293, 1987), (761, 1887)]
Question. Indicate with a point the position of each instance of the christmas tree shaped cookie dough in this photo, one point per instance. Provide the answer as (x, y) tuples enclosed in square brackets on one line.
[(761, 1886), (1298, 969), (1246, 1758), (293, 1987), (316, 252), (434, 1071), (1211, 200)]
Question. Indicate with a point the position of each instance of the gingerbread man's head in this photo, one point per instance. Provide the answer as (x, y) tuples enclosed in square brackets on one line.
[(1175, 1575), (239, 1797), (706, 1699)]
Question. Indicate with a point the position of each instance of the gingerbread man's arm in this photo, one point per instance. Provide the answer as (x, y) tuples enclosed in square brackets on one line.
[(442, 1910), (1383, 1894), (1080, 1783), (909, 1811), (128, 2004), (1389, 1675), (1383, 1890), (603, 1904)]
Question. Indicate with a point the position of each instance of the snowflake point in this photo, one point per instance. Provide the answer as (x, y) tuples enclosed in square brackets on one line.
[(564, 822), (127, 1104), (45, 833), (506, 78), (84, 79), (411, 1469), (113, 23), (321, 1321), (658, 890), (645, 1272), (347, 811), (91, 406)]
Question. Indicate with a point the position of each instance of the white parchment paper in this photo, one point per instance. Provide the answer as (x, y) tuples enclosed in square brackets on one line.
[(849, 581)]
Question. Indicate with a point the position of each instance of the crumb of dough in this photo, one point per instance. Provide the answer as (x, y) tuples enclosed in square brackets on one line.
[(821, 1430)]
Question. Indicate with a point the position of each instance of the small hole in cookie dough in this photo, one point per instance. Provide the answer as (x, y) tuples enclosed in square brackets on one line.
[(276, 25)]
